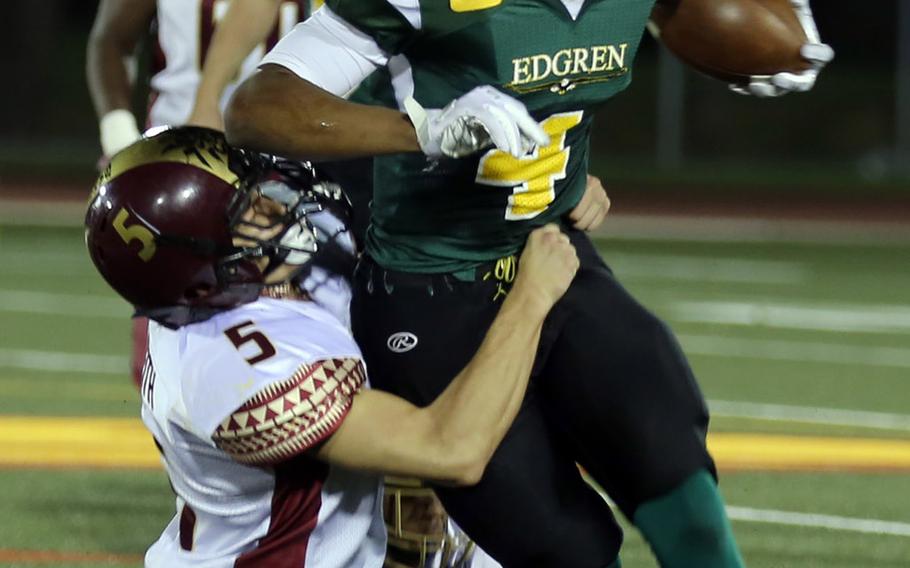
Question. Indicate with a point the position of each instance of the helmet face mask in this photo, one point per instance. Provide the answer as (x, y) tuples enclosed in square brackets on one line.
[(183, 226), (271, 220)]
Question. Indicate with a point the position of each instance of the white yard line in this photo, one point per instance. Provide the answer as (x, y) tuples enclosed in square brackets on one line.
[(813, 520), (682, 227), (630, 266), (778, 350), (810, 415), (55, 361), (21, 301), (872, 318)]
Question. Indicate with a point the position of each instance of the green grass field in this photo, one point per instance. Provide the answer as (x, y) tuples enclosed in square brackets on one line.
[(799, 339)]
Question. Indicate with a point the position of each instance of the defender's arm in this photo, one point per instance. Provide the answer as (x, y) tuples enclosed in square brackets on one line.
[(454, 437), (245, 25), (119, 24), (322, 408)]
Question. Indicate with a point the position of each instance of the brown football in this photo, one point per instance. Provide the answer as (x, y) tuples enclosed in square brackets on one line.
[(732, 39)]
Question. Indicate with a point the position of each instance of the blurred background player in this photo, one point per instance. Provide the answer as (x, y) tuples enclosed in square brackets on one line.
[(502, 147), (236, 46), (183, 44), (253, 387)]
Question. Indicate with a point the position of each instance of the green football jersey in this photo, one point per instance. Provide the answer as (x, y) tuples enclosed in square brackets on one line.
[(449, 215)]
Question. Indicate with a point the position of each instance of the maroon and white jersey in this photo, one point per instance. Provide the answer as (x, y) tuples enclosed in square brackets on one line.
[(185, 29), (234, 403)]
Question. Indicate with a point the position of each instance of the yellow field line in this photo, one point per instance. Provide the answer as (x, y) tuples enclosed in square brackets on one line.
[(765, 451), (124, 443), (76, 442)]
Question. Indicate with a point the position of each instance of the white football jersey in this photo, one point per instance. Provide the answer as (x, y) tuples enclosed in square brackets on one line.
[(233, 403), (185, 29)]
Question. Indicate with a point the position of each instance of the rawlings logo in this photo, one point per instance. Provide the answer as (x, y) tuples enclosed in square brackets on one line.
[(402, 342)]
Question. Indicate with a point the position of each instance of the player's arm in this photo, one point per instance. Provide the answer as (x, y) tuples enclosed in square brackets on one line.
[(453, 438), (322, 408), (277, 112), (245, 25), (118, 27), (294, 105)]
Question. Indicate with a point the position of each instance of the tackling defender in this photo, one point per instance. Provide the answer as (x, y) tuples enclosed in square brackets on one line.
[(253, 386), (229, 38), (485, 137)]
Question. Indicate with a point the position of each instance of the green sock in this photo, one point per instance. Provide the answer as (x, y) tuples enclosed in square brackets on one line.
[(688, 527)]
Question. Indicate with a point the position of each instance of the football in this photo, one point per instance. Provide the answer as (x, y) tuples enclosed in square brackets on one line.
[(732, 40)]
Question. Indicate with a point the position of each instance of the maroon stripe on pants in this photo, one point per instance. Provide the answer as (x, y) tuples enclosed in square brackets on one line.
[(295, 510), (187, 527)]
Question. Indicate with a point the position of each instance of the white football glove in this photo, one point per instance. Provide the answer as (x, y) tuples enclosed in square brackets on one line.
[(816, 52), (482, 118)]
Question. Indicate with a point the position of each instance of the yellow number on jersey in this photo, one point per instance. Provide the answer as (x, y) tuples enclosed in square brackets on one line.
[(532, 177)]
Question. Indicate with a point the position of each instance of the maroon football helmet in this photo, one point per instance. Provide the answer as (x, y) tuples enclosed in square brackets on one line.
[(162, 216)]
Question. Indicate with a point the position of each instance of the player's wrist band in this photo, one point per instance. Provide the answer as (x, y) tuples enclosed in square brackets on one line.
[(118, 130)]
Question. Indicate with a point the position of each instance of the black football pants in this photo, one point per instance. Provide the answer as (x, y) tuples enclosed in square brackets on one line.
[(611, 390)]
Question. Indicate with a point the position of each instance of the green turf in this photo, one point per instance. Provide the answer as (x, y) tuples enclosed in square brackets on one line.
[(123, 512), (29, 393), (774, 546), (88, 511)]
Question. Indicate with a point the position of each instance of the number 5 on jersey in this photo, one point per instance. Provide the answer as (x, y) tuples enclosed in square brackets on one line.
[(240, 337), (533, 177)]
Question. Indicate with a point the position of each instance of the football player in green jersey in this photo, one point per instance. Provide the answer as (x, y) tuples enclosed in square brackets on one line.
[(481, 136)]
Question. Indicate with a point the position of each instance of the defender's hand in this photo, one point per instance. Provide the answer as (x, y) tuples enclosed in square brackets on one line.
[(815, 52), (546, 268), (482, 118), (591, 211)]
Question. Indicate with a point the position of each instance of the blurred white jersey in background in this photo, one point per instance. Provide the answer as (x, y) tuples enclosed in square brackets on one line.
[(185, 30)]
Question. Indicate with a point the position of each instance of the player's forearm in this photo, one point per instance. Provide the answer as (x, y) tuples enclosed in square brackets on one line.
[(245, 25), (451, 440), (107, 75), (275, 111), (118, 26), (474, 413)]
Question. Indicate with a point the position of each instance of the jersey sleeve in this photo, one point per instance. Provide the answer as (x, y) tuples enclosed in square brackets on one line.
[(266, 381), (329, 52), (292, 416)]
